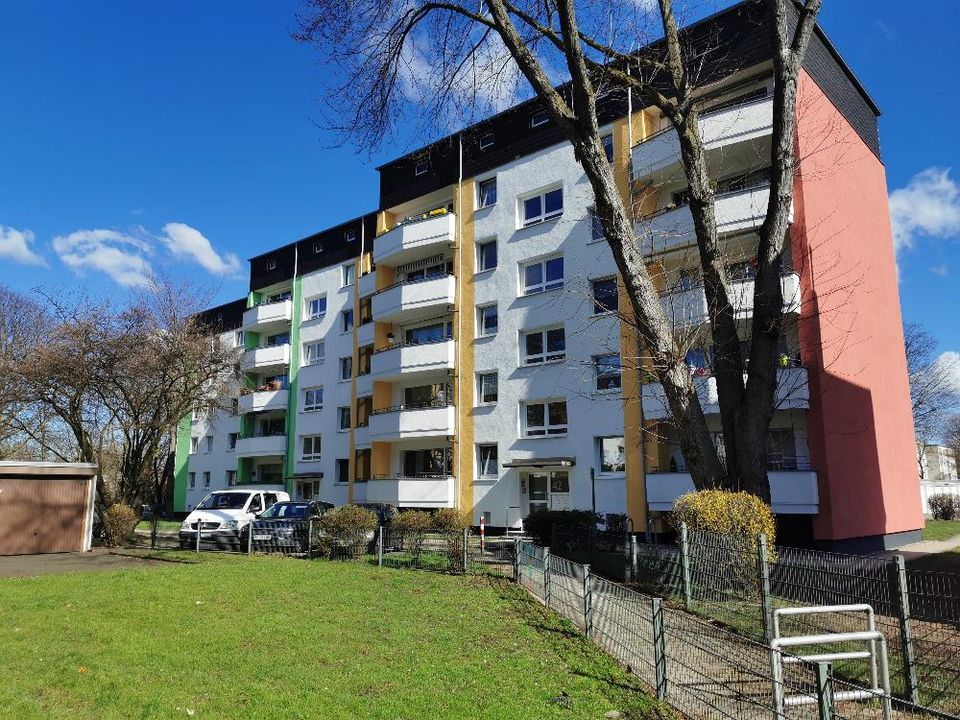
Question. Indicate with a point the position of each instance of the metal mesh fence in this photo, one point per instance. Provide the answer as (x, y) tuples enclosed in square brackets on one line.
[(935, 627), (439, 551)]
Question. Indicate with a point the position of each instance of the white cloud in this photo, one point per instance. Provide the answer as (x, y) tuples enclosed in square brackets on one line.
[(929, 206), (941, 270), (185, 241), (15, 245), (117, 254), (949, 364)]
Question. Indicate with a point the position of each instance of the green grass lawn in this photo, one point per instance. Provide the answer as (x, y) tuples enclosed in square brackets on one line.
[(947, 562), (263, 637), (144, 525), (941, 529)]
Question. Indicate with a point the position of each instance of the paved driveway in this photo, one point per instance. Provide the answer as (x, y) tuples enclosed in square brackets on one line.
[(12, 566)]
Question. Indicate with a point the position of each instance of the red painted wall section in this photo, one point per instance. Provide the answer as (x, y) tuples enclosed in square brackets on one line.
[(860, 423)]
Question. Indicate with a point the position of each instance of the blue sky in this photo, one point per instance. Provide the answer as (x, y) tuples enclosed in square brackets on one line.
[(178, 135)]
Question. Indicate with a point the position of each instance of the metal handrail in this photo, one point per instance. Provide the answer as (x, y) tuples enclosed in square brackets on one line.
[(425, 278), (393, 346), (418, 476), (716, 196), (786, 272), (437, 403)]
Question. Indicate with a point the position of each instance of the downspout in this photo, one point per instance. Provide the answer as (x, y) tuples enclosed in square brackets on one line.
[(459, 298)]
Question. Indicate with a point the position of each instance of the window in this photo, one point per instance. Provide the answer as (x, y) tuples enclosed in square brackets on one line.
[(545, 206), (545, 418), (310, 447), (487, 387), (608, 372), (317, 248), (313, 399), (346, 320), (193, 480), (487, 320), (487, 193), (238, 339), (343, 417), (486, 141), (313, 353), (206, 479), (421, 167), (316, 307), (194, 444), (543, 275), (610, 455), (486, 255), (342, 471), (596, 227), (346, 367), (278, 339), (427, 463), (271, 265), (540, 346), (487, 460), (607, 141), (231, 478), (427, 334), (350, 235), (349, 274), (541, 117), (604, 295), (232, 441)]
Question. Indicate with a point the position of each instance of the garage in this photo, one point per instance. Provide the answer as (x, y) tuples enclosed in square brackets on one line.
[(46, 507)]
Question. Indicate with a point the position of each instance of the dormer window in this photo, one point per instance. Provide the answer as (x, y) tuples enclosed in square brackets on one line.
[(541, 117), (421, 167), (486, 141), (271, 265), (317, 248), (350, 235)]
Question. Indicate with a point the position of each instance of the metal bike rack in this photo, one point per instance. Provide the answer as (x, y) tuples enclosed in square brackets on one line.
[(876, 651)]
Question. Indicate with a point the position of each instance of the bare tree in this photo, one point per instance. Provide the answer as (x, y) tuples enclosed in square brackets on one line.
[(456, 56)]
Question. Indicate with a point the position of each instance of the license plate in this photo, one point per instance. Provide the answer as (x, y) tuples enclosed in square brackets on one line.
[(261, 537)]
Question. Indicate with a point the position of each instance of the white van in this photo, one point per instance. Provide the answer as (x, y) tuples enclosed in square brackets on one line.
[(222, 514)]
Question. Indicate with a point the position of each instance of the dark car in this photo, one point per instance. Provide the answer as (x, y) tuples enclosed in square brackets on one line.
[(283, 527)]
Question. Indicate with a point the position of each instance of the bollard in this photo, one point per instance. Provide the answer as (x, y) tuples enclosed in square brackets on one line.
[(546, 576), (198, 534), (685, 566), (910, 690), (249, 538), (380, 546), (763, 579), (466, 548), (659, 647), (587, 603)]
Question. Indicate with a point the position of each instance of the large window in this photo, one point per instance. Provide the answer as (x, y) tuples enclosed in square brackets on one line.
[(316, 307), (343, 417), (426, 334), (342, 471), (545, 206), (542, 275), (429, 462), (610, 455), (346, 367), (487, 464), (313, 353), (487, 387), (487, 193), (486, 255), (540, 346), (346, 321), (608, 372), (604, 295), (313, 399), (487, 320), (545, 418), (349, 274), (310, 445)]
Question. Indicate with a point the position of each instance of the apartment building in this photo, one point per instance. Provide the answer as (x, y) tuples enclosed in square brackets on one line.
[(460, 346)]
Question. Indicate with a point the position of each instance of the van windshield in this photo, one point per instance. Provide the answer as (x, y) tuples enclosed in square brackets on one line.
[(224, 501)]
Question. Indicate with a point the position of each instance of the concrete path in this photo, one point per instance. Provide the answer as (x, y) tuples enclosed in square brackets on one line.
[(98, 559)]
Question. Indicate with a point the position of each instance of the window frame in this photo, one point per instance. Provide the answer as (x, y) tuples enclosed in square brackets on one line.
[(539, 118), (548, 429), (338, 463), (350, 235), (481, 465), (345, 362), (545, 353), (486, 145), (597, 375), (544, 216), (598, 451), (608, 152), (544, 285), (481, 184), (595, 225), (599, 308), (481, 327), (481, 400), (315, 454), (192, 480), (317, 247), (271, 265), (344, 410), (306, 353), (232, 441), (347, 320), (421, 167), (206, 479), (313, 407), (309, 307), (348, 275), (480, 256)]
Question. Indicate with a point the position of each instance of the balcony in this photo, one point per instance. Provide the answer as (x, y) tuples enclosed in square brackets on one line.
[(261, 446), (364, 385), (268, 316), (688, 308), (263, 400), (265, 358), (367, 284), (415, 240), (420, 492), (417, 300), (735, 128), (361, 436), (793, 492), (365, 334), (793, 393), (405, 423), (403, 361), (736, 211)]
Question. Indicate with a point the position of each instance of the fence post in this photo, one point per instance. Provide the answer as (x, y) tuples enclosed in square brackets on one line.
[(587, 603), (659, 647), (685, 566), (911, 691), (634, 570), (824, 691), (380, 546), (516, 560), (309, 538), (546, 576), (199, 523), (466, 549), (249, 539), (766, 601)]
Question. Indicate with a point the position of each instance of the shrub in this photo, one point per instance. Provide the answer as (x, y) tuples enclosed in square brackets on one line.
[(345, 531), (119, 520), (408, 529), (725, 512), (944, 506), (451, 519), (540, 523)]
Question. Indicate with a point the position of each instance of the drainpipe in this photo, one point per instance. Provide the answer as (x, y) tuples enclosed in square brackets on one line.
[(458, 296)]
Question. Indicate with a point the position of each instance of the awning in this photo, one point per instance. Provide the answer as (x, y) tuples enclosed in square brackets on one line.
[(318, 475), (542, 462)]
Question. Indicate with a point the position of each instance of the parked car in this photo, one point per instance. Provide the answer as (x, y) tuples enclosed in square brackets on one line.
[(222, 514), (284, 526)]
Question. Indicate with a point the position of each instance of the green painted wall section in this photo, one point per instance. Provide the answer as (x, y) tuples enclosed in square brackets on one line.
[(181, 464), (289, 466)]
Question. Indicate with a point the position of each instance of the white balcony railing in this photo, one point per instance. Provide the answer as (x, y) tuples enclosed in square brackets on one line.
[(261, 446), (793, 393), (263, 400), (404, 423), (793, 492), (265, 357), (736, 212), (423, 492), (401, 361), (411, 301), (266, 315), (365, 334), (722, 128), (367, 285), (415, 240), (364, 385), (688, 308)]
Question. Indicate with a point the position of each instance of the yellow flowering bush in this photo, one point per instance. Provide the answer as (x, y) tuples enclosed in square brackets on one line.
[(725, 512)]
